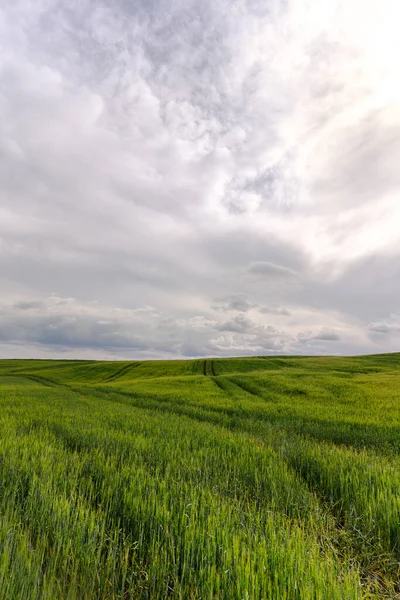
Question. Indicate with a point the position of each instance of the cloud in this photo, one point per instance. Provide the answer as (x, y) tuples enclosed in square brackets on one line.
[(143, 163), (380, 328), (235, 302), (327, 335), (238, 324), (270, 310), (386, 327), (269, 269), (66, 325), (240, 303), (32, 305), (60, 326), (309, 337)]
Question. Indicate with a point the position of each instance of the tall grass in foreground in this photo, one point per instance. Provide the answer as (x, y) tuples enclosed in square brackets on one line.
[(153, 480)]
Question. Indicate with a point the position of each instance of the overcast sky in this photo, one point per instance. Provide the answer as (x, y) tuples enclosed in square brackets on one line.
[(185, 178)]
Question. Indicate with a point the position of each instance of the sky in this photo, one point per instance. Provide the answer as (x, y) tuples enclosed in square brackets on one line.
[(183, 178)]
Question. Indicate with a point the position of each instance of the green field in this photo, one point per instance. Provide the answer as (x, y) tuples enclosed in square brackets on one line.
[(250, 478)]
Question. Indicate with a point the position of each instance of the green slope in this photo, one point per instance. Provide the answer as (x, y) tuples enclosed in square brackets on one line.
[(264, 477)]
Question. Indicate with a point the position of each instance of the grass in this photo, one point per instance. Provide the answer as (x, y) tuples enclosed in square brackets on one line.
[(251, 478)]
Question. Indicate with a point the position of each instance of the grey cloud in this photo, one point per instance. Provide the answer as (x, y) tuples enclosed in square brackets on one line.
[(65, 324), (324, 334), (386, 327), (363, 290), (75, 330), (270, 310), (238, 324), (145, 164), (380, 328), (35, 305), (269, 269), (240, 303), (69, 327), (234, 302), (244, 337), (327, 335)]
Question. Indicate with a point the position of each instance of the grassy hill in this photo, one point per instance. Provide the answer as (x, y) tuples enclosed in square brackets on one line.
[(257, 478)]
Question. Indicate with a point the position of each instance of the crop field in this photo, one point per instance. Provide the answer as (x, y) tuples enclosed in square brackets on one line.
[(249, 478)]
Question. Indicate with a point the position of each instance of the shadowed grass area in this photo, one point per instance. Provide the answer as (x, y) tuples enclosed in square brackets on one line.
[(265, 478)]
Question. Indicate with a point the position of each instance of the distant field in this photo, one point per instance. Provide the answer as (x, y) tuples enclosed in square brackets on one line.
[(251, 478)]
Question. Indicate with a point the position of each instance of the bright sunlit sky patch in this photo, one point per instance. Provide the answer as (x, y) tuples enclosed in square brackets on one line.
[(182, 178)]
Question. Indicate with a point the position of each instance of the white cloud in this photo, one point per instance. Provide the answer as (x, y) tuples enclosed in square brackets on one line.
[(244, 152)]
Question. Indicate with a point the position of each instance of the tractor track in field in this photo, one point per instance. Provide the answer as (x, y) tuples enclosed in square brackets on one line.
[(218, 382), (243, 387), (221, 387), (322, 496), (121, 372), (211, 368), (37, 379)]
